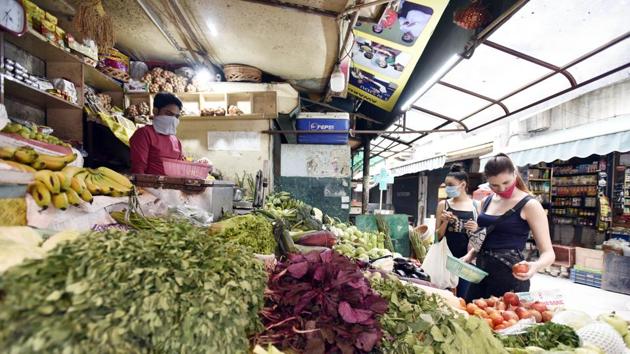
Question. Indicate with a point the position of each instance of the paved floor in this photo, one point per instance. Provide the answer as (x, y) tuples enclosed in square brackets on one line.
[(581, 297)]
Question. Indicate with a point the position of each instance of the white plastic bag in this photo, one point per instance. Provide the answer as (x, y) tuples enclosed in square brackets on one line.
[(435, 265)]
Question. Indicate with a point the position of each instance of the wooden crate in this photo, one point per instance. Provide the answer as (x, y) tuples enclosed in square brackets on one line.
[(565, 255)]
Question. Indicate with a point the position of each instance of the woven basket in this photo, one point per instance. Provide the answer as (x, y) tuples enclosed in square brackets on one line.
[(241, 73)]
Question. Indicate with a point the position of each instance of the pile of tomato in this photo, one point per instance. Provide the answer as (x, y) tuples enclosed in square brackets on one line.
[(503, 312)]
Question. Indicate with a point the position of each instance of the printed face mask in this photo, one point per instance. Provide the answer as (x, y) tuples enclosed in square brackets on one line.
[(165, 125)]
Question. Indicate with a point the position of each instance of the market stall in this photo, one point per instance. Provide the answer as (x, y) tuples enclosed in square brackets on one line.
[(236, 239)]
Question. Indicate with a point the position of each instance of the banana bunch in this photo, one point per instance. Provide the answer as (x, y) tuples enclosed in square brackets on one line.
[(33, 133), (29, 157), (72, 185)]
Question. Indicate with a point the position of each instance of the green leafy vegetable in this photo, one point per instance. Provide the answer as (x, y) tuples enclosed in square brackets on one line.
[(420, 323), (251, 230), (170, 290), (547, 336)]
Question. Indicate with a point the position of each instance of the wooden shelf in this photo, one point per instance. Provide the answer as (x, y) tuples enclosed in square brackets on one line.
[(37, 45), (93, 77), (239, 117), (576, 174), (18, 89)]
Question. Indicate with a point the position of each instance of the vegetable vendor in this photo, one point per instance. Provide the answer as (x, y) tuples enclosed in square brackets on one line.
[(153, 143), (453, 213), (510, 214)]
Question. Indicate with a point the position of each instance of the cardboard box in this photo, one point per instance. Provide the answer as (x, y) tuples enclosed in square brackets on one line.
[(589, 258)]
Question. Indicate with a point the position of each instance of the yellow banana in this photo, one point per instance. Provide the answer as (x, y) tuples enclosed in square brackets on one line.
[(64, 180), (73, 197), (73, 170), (25, 155), (60, 201), (77, 184), (7, 153), (19, 166), (56, 163), (40, 194), (91, 186), (38, 165), (115, 176), (49, 179), (105, 184), (86, 195), (120, 192), (108, 183)]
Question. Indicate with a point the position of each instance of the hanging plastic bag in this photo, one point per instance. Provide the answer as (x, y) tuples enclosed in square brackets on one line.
[(435, 265)]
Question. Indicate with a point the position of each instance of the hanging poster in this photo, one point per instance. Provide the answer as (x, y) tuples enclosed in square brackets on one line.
[(384, 54)]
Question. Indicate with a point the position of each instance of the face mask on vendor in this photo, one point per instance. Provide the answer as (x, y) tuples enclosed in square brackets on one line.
[(166, 120)]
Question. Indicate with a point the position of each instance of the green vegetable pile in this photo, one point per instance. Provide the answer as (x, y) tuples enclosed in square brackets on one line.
[(353, 243), (420, 323), (295, 213), (172, 290), (251, 230), (547, 336)]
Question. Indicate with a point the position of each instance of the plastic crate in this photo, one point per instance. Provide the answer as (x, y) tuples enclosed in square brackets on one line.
[(180, 168), (565, 255), (589, 258), (464, 270), (586, 278)]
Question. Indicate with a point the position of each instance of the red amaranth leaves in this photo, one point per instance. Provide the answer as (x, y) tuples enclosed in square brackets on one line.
[(320, 302)]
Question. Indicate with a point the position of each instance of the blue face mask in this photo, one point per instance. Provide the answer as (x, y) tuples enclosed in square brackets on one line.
[(452, 191)]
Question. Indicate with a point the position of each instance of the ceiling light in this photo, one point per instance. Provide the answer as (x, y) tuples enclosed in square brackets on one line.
[(212, 28), (437, 76)]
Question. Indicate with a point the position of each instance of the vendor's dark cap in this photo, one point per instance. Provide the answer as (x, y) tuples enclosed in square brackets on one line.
[(164, 99)]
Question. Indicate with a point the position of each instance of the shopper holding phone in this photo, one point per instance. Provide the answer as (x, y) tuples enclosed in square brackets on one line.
[(453, 214)]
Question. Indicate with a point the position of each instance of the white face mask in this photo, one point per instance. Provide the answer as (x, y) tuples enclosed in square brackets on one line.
[(165, 125)]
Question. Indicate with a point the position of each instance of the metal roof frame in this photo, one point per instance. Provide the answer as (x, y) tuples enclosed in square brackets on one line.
[(482, 39)]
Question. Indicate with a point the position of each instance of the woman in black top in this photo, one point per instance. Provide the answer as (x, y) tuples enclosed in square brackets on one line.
[(453, 215)]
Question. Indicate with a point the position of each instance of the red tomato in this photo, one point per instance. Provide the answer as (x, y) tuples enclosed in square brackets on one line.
[(539, 306), (547, 316), (492, 301), (481, 303), (537, 315), (470, 308), (497, 319), (520, 268), (510, 315), (511, 298), (489, 322), (522, 313), (462, 303), (501, 306), (481, 313)]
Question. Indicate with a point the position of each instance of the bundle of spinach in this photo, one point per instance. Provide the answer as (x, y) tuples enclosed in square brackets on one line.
[(320, 302), (547, 336), (252, 230), (420, 323), (174, 290)]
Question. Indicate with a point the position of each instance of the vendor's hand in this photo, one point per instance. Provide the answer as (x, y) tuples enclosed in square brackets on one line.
[(533, 268), (471, 225)]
